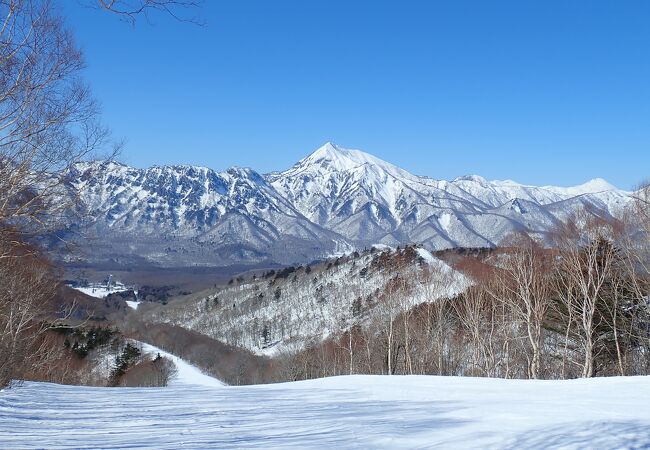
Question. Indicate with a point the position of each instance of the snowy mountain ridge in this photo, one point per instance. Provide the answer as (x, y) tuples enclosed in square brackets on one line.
[(369, 200), (333, 200), (282, 312)]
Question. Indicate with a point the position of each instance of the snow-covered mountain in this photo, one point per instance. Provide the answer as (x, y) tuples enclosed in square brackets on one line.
[(368, 200), (331, 201), (186, 216)]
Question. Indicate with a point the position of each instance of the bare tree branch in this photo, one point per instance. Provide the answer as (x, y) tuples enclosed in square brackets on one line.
[(130, 10)]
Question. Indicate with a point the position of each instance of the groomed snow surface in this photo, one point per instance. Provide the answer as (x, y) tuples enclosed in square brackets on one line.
[(340, 412)]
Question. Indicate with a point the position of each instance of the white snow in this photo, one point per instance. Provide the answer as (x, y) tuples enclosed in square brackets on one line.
[(132, 304), (188, 374), (100, 290), (590, 187), (426, 256), (445, 221), (340, 412)]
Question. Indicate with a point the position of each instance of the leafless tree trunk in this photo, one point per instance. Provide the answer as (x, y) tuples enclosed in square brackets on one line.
[(523, 282), (585, 254), (633, 272), (26, 314), (474, 312)]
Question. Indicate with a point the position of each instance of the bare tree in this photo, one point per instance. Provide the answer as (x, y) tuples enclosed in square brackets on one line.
[(148, 372), (26, 314), (523, 281), (637, 221), (633, 275), (48, 122), (475, 311), (584, 265), (387, 312), (48, 118), (433, 319)]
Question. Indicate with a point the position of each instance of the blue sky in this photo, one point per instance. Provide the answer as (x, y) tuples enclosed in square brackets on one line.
[(542, 92)]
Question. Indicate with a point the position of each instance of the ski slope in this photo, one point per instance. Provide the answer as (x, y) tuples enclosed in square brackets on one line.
[(340, 412), (186, 373)]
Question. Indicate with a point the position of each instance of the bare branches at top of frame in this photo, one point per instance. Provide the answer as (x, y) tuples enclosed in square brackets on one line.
[(130, 10)]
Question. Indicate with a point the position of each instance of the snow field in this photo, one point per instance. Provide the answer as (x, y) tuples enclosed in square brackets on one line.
[(100, 291), (340, 412)]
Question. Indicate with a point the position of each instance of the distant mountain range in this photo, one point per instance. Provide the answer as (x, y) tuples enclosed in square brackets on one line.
[(332, 201)]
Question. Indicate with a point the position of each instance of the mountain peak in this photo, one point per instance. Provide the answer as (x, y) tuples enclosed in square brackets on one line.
[(335, 198), (329, 148), (594, 186), (333, 158), (99, 164), (244, 173), (343, 158), (475, 178), (597, 185)]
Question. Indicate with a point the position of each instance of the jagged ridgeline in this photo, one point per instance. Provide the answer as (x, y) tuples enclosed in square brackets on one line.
[(331, 202), (287, 309)]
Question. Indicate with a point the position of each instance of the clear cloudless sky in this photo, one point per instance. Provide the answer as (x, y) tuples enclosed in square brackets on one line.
[(542, 92)]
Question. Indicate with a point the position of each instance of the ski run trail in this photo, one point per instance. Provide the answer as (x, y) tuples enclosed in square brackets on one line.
[(357, 411)]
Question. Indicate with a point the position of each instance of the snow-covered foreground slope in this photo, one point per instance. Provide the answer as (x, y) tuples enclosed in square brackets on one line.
[(340, 412)]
